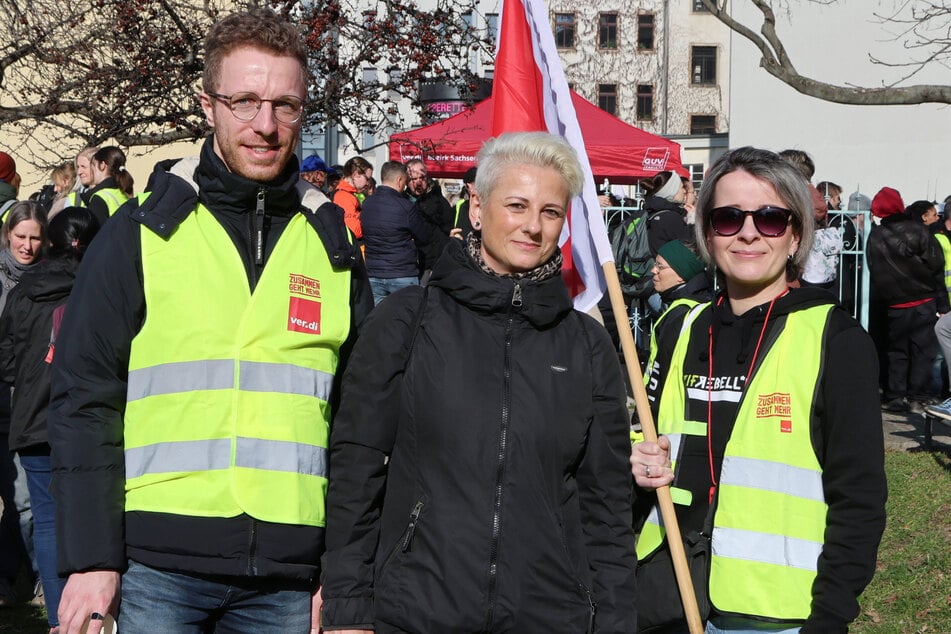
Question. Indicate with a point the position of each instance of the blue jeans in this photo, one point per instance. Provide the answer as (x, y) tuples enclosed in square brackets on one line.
[(44, 531), (383, 286), (160, 601)]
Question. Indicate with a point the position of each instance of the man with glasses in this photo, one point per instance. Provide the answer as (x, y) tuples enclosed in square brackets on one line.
[(194, 378), (434, 209)]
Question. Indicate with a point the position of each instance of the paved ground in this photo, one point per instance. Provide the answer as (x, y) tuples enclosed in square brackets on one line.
[(907, 432)]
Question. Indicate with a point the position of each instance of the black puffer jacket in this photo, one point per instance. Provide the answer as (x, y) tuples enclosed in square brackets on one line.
[(504, 505), (906, 262), (90, 373), (25, 329)]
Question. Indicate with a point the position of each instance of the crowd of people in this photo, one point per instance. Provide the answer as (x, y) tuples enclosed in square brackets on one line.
[(219, 419)]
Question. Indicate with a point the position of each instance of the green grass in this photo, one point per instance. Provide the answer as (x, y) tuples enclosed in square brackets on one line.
[(911, 591)]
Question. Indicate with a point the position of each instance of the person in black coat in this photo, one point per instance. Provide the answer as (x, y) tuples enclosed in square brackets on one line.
[(480, 479), (393, 233), (907, 268), (666, 214), (28, 328)]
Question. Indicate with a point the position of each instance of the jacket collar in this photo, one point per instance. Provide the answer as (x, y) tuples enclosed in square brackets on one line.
[(542, 303), (224, 191)]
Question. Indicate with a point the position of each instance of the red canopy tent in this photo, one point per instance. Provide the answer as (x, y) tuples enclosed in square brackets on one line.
[(617, 151)]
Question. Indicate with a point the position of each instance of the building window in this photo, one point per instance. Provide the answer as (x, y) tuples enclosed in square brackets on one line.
[(703, 124), (607, 98), (607, 30), (700, 7), (703, 64), (645, 31), (565, 30), (492, 27), (696, 174), (645, 101)]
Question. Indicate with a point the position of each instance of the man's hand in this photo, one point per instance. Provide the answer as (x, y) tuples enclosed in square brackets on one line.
[(96, 591)]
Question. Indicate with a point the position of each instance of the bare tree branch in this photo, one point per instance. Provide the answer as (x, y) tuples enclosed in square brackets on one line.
[(776, 61), (129, 71)]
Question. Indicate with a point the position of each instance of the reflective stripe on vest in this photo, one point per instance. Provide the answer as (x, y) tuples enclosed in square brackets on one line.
[(770, 521), (210, 455), (219, 374), (671, 423), (946, 251), (228, 392), (114, 198)]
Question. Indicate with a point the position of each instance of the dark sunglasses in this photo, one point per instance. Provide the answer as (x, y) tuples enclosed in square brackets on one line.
[(769, 221)]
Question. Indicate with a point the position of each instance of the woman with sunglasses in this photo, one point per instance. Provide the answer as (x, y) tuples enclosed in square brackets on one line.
[(772, 434)]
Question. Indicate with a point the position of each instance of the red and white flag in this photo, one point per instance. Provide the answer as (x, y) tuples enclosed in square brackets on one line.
[(530, 93)]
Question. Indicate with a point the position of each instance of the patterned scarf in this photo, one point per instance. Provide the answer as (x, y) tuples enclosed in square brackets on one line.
[(549, 269)]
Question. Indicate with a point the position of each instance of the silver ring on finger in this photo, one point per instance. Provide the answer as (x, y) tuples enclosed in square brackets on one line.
[(647, 470)]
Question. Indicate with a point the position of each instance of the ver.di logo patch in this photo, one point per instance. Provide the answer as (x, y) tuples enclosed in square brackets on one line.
[(303, 313)]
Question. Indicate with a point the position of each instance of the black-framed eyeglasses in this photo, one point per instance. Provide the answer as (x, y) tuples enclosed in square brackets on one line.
[(246, 105), (769, 221)]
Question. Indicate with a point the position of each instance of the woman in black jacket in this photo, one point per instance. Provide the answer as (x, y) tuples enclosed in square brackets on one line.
[(28, 328), (772, 435), (478, 479)]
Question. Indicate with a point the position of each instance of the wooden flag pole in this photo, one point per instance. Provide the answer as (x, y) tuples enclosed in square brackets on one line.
[(671, 526)]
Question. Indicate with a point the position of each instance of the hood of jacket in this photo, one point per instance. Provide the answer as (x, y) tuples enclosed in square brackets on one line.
[(543, 303), (653, 204), (750, 323), (50, 280), (7, 192)]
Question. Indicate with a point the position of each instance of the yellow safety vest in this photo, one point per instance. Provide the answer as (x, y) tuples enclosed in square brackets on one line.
[(73, 199), (227, 406), (946, 250), (114, 198), (770, 520), (638, 436)]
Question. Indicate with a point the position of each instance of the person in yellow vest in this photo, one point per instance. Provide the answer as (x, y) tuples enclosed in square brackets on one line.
[(64, 185), (112, 183), (196, 368), (772, 434)]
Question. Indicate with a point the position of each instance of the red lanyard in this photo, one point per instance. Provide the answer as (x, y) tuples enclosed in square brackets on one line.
[(749, 373)]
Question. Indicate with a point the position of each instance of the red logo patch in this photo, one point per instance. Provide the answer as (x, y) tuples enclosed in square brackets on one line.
[(303, 315), (655, 159), (785, 426)]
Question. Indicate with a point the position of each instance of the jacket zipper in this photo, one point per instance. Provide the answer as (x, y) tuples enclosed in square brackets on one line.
[(259, 229), (252, 548), (500, 472), (411, 529), (592, 608)]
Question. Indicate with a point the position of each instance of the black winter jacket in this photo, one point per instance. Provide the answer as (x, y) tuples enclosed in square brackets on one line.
[(665, 222), (438, 214), (393, 232), (480, 477), (25, 328), (906, 262), (90, 371)]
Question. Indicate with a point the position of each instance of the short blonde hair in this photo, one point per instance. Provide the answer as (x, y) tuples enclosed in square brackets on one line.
[(527, 148)]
